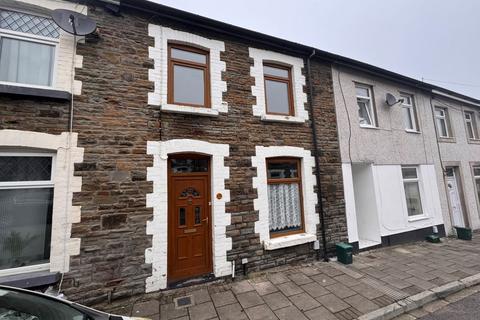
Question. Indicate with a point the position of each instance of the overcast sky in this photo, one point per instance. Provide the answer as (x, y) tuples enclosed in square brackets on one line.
[(438, 40)]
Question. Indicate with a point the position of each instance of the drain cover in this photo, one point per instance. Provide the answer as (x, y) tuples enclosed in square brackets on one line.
[(183, 302)]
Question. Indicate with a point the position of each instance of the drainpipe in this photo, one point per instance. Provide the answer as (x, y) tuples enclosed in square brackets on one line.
[(317, 162)]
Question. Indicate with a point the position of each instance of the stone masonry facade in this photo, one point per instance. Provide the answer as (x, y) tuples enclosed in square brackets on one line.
[(115, 122)]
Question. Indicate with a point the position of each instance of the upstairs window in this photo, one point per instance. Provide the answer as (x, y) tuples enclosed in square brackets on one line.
[(278, 89), (412, 191), (471, 124), (409, 113), (26, 200), (366, 109), (27, 48), (188, 76), (442, 122), (284, 196)]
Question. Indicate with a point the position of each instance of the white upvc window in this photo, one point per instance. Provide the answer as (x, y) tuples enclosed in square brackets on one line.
[(366, 108), (409, 113), (26, 202), (476, 177), (471, 124), (442, 122), (411, 185), (28, 45)]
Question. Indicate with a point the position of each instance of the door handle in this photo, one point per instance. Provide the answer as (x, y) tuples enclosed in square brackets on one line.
[(205, 220)]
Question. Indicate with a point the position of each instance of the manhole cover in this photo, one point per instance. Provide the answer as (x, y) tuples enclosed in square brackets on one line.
[(183, 302)]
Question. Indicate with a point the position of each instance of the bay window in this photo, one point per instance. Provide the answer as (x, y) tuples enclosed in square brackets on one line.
[(412, 191), (26, 199), (284, 196)]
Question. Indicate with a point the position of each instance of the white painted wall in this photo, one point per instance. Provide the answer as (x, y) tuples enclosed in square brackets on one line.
[(366, 203), (349, 195), (388, 145)]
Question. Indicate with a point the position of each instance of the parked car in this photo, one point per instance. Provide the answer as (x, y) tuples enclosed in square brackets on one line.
[(21, 304)]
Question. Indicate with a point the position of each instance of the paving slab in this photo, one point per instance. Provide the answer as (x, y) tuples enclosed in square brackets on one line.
[(261, 312)]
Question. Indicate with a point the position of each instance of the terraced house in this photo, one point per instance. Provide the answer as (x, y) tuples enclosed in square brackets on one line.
[(167, 149)]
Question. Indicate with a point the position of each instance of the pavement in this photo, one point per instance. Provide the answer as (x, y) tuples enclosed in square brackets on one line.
[(377, 279)]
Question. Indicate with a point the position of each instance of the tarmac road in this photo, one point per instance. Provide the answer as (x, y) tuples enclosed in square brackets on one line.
[(466, 309)]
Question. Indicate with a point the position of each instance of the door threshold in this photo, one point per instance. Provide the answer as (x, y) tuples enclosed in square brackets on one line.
[(192, 281), (363, 244)]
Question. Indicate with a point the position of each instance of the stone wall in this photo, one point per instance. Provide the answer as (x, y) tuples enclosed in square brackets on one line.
[(114, 122)]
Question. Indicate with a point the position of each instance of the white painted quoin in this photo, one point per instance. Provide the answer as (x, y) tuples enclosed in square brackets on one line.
[(261, 203), (159, 74), (64, 214), (260, 57), (158, 200), (64, 45)]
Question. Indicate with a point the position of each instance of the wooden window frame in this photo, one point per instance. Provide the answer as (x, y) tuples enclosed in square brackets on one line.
[(298, 180), (288, 81), (189, 64)]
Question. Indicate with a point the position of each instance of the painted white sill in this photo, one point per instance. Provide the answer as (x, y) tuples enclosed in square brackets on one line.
[(364, 126), (189, 110), (279, 118), (419, 218), (289, 241), (26, 269), (412, 131)]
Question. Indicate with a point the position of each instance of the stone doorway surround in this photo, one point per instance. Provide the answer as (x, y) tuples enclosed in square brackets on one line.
[(158, 200)]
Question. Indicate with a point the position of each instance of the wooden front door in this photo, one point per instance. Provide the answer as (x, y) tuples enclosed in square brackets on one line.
[(189, 218)]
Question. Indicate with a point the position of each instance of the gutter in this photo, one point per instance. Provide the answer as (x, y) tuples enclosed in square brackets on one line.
[(316, 155)]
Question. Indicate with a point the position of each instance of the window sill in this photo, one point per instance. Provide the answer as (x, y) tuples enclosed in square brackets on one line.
[(31, 279), (412, 131), (474, 141), (419, 218), (19, 90), (279, 118), (446, 139), (174, 108), (369, 127), (288, 241)]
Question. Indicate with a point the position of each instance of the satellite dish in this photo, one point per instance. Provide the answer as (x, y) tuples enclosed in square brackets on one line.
[(391, 100), (73, 22)]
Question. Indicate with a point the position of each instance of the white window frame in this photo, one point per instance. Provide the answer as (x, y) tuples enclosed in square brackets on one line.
[(444, 117), (420, 191), (5, 33), (371, 106), (475, 178), (30, 185), (473, 124), (411, 110)]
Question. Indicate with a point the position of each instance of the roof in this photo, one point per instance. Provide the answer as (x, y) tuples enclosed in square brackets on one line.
[(205, 23)]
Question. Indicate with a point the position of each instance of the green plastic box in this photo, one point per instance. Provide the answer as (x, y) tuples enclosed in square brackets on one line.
[(344, 252), (464, 233)]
